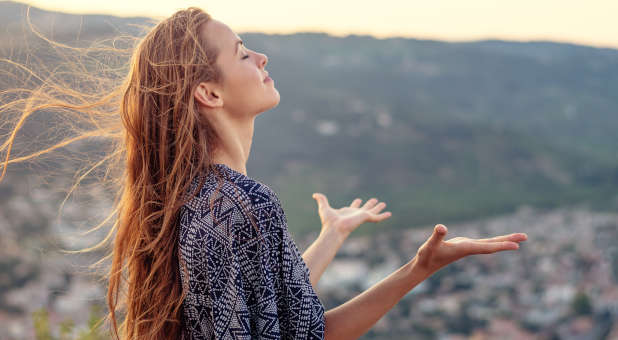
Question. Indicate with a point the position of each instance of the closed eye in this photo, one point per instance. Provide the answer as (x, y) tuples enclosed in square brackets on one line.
[(244, 48)]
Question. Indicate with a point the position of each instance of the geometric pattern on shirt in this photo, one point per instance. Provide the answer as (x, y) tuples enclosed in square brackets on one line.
[(243, 283)]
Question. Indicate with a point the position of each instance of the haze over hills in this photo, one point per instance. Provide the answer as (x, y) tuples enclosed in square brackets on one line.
[(440, 131)]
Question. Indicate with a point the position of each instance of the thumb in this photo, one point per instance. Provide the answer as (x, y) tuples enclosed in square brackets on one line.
[(439, 231), (321, 199)]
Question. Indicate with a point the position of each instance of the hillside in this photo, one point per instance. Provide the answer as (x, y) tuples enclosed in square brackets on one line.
[(440, 131), (487, 137)]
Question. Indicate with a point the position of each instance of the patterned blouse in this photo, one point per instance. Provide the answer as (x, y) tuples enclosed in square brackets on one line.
[(243, 280)]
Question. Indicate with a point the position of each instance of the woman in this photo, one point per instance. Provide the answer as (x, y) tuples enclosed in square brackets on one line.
[(202, 250)]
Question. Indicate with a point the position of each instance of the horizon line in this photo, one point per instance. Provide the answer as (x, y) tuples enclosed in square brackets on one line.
[(347, 33)]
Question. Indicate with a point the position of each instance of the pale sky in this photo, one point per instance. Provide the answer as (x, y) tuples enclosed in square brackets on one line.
[(593, 22)]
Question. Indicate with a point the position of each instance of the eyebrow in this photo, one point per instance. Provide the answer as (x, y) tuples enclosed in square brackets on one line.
[(238, 42)]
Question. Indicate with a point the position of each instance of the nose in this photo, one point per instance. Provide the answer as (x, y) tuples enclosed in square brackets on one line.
[(263, 59)]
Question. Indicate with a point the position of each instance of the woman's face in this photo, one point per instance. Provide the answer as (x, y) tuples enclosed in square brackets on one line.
[(245, 90)]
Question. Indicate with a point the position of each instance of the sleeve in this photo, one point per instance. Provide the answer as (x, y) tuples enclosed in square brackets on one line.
[(286, 306), (249, 280), (216, 305), (299, 291)]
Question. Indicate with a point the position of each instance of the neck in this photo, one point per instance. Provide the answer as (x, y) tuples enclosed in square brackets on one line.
[(235, 137)]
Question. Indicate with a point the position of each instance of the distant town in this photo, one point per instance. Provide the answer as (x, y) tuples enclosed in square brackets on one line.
[(561, 284)]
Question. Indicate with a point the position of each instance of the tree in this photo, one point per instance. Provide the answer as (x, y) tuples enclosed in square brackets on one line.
[(43, 330), (581, 304)]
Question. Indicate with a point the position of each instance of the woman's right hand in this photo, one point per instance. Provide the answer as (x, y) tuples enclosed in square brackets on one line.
[(436, 253), (345, 321)]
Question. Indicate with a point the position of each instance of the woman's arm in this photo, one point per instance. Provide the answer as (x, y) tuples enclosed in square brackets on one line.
[(355, 317), (321, 252), (337, 224)]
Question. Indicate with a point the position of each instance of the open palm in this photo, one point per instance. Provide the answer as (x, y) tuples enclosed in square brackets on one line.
[(344, 220), (436, 253)]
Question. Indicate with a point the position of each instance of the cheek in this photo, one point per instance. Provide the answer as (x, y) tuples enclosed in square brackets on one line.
[(245, 89), (245, 78)]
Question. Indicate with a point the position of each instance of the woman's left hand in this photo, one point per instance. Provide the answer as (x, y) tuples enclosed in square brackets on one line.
[(436, 253), (344, 220)]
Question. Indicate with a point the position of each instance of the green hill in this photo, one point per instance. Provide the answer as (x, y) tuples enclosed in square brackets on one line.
[(439, 131)]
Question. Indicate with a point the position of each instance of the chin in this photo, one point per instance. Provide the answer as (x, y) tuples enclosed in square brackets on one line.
[(271, 105), (272, 101), (278, 99), (275, 100)]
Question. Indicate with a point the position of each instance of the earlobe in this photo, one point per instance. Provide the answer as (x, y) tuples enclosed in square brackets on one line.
[(208, 95)]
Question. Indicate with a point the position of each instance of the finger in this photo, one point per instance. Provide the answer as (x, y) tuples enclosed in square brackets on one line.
[(517, 237), (321, 199), (356, 203), (439, 231), (492, 247), (377, 208), (381, 217), (370, 203)]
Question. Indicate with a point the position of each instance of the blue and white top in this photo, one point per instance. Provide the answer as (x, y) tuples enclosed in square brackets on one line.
[(243, 281)]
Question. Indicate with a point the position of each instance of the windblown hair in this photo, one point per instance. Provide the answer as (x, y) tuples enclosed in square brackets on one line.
[(160, 143)]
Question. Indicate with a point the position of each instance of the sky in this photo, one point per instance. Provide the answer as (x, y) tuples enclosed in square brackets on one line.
[(590, 22)]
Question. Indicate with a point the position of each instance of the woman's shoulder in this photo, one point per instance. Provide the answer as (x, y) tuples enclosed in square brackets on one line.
[(223, 181), (227, 196)]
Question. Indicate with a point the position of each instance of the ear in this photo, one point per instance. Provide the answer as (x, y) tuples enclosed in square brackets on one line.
[(208, 94)]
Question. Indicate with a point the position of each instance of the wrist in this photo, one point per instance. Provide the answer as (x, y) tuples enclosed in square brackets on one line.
[(415, 272), (333, 234)]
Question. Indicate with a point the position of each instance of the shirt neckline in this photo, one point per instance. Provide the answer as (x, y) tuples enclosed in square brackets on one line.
[(229, 169)]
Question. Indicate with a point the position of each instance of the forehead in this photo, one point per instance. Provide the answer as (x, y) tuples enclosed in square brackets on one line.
[(220, 35)]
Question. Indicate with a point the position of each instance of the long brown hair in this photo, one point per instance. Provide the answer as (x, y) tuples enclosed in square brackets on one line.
[(161, 142)]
